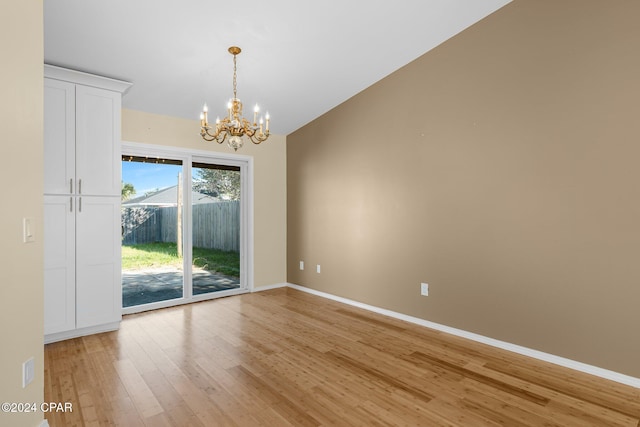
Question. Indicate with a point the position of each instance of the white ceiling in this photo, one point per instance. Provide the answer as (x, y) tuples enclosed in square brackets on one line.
[(299, 58)]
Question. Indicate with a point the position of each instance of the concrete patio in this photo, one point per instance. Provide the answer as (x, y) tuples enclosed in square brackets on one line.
[(144, 286)]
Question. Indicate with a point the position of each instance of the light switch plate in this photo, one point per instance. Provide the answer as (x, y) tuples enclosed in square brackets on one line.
[(28, 230)]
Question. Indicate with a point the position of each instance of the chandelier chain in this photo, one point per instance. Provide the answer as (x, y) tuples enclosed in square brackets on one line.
[(235, 83)]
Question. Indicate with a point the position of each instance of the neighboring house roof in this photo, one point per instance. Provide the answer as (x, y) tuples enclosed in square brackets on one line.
[(168, 197)]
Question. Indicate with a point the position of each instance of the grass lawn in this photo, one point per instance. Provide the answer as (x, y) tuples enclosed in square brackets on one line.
[(166, 255)]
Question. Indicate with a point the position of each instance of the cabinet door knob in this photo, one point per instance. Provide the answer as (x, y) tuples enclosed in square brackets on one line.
[(70, 204), (71, 185), (80, 186)]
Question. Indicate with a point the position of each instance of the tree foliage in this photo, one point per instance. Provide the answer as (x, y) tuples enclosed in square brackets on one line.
[(128, 191), (224, 184)]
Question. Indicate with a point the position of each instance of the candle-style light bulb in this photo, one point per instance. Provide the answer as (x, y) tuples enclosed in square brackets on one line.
[(255, 113), (203, 117), (267, 116)]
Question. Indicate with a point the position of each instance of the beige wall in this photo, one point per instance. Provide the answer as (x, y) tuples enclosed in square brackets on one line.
[(502, 169), (270, 217), (21, 286)]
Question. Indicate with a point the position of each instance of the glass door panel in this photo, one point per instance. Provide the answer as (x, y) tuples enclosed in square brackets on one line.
[(152, 226), (215, 232)]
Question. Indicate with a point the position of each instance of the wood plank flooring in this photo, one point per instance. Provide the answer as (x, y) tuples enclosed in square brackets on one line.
[(286, 358)]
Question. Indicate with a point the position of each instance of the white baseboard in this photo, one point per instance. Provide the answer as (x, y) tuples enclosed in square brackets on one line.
[(557, 360), (44, 423), (75, 333), (267, 287)]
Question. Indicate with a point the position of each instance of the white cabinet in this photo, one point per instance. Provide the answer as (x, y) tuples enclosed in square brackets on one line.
[(59, 265), (98, 261), (82, 284), (59, 136), (81, 203), (81, 124), (97, 128)]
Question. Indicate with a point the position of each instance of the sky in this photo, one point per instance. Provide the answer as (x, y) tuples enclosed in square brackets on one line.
[(147, 177)]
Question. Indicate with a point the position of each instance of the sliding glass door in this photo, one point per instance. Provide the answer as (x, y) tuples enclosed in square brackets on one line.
[(183, 227), (215, 232), (152, 212)]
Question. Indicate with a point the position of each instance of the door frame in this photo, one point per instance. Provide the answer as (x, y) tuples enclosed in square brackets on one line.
[(188, 156)]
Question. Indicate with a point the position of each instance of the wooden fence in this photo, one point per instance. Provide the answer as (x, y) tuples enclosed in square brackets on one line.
[(215, 225)]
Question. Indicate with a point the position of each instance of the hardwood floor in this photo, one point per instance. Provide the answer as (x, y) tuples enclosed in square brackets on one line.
[(287, 358)]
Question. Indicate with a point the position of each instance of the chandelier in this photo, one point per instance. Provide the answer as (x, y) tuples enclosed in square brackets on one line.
[(233, 125)]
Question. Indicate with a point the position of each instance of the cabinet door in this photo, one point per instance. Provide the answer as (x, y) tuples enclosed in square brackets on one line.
[(98, 141), (59, 136), (59, 264), (98, 271)]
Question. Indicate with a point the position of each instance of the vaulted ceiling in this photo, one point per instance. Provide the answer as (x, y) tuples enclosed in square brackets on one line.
[(299, 59)]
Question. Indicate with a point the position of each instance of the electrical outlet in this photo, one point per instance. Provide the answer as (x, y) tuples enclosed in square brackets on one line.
[(301, 265), (28, 372), (318, 268), (424, 289)]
